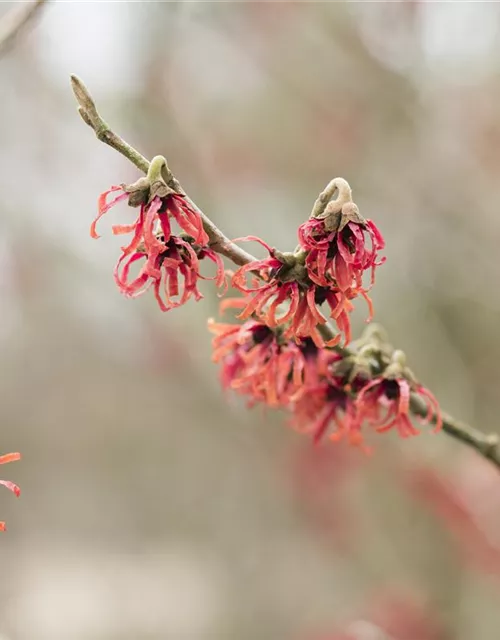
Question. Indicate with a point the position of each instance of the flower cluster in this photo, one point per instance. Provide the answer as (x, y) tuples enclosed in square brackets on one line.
[(283, 354), (260, 363), (337, 253), (169, 263), (343, 408), (282, 279), (9, 457), (328, 267), (327, 394)]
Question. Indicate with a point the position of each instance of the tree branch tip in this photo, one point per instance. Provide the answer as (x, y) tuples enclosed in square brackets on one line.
[(82, 94), (84, 116)]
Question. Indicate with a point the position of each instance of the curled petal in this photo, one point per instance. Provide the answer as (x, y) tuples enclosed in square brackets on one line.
[(122, 229), (187, 218), (138, 234), (311, 303), (281, 296), (292, 309), (11, 487), (10, 457), (103, 206), (404, 397), (369, 302), (434, 409), (165, 226), (257, 302), (343, 272), (378, 240), (254, 239), (238, 280), (220, 274), (152, 245), (232, 303)]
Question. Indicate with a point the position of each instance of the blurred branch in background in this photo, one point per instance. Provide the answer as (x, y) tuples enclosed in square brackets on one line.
[(485, 444), (16, 20)]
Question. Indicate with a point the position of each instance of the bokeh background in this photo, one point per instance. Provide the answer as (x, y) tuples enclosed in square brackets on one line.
[(153, 507)]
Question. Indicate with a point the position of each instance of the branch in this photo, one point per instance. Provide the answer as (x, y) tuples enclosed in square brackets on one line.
[(487, 445), (16, 20)]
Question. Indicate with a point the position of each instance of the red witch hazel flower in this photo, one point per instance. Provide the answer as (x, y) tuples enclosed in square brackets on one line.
[(283, 280), (335, 242), (9, 457), (170, 263), (327, 267), (385, 400), (260, 363), (365, 386), (329, 404)]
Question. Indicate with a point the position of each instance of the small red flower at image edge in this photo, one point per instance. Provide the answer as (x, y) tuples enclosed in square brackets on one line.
[(6, 458)]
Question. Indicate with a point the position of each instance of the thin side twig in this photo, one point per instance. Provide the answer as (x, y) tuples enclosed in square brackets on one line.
[(488, 445), (15, 20)]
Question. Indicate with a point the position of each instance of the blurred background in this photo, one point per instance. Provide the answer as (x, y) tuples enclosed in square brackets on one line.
[(153, 507)]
